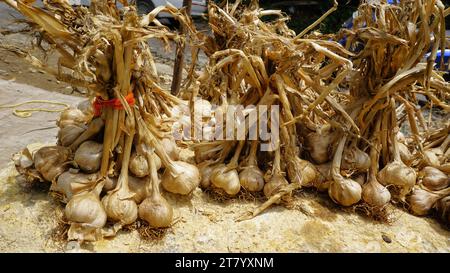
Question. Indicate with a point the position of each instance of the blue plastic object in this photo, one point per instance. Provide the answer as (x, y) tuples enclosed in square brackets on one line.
[(438, 57)]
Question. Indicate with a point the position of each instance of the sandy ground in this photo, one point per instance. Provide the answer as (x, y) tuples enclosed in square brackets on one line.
[(28, 217)]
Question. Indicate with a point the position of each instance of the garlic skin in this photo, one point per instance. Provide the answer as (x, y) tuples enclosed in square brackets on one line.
[(272, 187), (50, 161), (86, 215), (345, 193), (171, 148), (71, 116), (301, 171), (69, 133), (225, 179), (431, 157), (205, 172), (86, 107), (181, 178), (156, 211), (318, 144), (443, 209), (252, 179), (138, 165), (398, 174), (405, 154), (89, 156), (421, 201), (434, 179), (375, 194), (120, 207), (70, 183), (355, 159)]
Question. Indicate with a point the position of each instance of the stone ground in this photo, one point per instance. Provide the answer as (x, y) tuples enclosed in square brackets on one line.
[(28, 218)]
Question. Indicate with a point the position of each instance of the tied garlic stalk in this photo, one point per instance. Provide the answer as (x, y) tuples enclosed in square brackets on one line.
[(343, 191), (396, 172), (226, 177), (155, 209), (119, 203), (251, 177), (86, 215), (421, 201)]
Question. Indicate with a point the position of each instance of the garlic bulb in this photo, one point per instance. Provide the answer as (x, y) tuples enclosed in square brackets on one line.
[(155, 209), (434, 179), (226, 179), (405, 154), (70, 183), (355, 159), (205, 169), (94, 127), (343, 191), (431, 158), (171, 148), (251, 177), (86, 107), (300, 171), (86, 215), (318, 144), (276, 182), (71, 116), (138, 187), (375, 194), (138, 165), (180, 177), (51, 161), (443, 209), (422, 201), (89, 156), (69, 133)]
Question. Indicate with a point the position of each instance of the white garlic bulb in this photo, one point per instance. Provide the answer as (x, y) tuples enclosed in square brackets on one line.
[(70, 183), (69, 133), (225, 179), (89, 156), (180, 177), (51, 161)]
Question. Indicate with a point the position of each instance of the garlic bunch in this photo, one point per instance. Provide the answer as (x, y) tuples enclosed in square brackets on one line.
[(51, 161), (251, 177), (318, 144), (86, 215), (434, 179), (343, 191), (155, 209), (72, 182), (88, 156), (421, 201)]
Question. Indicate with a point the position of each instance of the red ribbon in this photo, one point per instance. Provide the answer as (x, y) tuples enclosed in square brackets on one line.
[(99, 103)]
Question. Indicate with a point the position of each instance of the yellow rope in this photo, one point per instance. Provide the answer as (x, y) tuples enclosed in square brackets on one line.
[(25, 113)]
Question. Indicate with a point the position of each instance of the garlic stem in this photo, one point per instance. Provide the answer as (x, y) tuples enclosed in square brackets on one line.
[(336, 165), (122, 182), (394, 132), (251, 161), (234, 160)]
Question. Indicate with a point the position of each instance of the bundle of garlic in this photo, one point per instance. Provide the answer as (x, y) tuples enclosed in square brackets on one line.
[(110, 148)]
